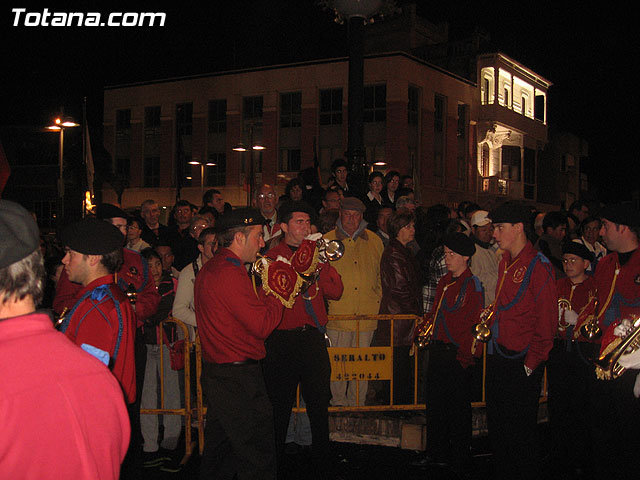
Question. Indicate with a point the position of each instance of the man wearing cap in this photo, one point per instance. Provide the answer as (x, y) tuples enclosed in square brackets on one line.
[(133, 275), (63, 413), (523, 325), (233, 321), (618, 282), (359, 269), (570, 371), (296, 350), (457, 306), (484, 262), (102, 320)]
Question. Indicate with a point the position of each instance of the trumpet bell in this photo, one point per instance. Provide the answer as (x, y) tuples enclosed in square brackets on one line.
[(481, 332), (331, 250), (591, 330)]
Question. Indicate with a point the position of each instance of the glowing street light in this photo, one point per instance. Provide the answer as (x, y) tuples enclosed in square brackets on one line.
[(60, 124), (241, 147), (202, 165)]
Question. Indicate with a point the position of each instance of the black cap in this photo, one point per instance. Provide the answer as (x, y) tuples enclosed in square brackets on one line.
[(622, 214), (105, 211), (510, 213), (460, 243), (92, 236), (19, 234), (575, 248), (241, 217)]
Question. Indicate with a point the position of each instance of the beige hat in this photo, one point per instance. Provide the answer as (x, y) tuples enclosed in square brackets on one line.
[(480, 218)]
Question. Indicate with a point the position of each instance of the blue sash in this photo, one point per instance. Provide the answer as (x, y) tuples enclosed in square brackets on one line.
[(440, 320)]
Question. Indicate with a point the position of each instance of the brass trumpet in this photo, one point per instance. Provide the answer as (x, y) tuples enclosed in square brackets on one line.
[(425, 332), (563, 304), (481, 331), (590, 328), (607, 366)]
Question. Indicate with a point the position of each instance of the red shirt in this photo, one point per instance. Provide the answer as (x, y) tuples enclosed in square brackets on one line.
[(233, 319), (329, 286), (625, 295), (95, 321), (134, 270), (578, 295), (532, 320), (460, 301), (62, 414)]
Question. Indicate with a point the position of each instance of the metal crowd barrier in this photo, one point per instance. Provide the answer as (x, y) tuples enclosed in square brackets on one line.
[(186, 411), (198, 411)]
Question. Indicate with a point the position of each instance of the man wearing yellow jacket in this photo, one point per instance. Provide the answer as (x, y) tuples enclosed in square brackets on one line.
[(359, 268)]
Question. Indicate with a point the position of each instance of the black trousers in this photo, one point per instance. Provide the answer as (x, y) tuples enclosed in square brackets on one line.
[(448, 403), (572, 383), (296, 356), (239, 432), (512, 416)]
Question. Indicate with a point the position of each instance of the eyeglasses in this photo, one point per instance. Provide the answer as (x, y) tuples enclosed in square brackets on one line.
[(262, 196), (571, 261)]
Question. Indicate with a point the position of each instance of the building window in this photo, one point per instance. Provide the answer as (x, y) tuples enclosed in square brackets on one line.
[(152, 118), (151, 172), (439, 140), (46, 212), (123, 167), (487, 93), (375, 103), (511, 157), (331, 106), (123, 120), (413, 107), (289, 160), (252, 108), (462, 145), (184, 119), (539, 107), (529, 173), (290, 110), (217, 116), (217, 174)]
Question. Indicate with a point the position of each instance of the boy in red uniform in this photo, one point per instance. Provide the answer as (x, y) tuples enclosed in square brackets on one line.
[(102, 320), (570, 370), (524, 323), (458, 302)]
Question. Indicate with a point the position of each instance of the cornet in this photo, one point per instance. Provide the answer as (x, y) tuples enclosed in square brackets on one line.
[(607, 366), (481, 331)]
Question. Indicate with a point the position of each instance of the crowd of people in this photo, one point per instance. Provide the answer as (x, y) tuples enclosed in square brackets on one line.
[(531, 285)]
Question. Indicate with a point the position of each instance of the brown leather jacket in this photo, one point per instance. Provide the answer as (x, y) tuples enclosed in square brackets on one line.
[(401, 292)]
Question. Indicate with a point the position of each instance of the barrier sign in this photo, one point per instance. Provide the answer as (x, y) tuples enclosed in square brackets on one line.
[(369, 363)]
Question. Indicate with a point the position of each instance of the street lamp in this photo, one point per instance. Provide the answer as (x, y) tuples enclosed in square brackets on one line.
[(60, 124), (202, 165), (241, 147)]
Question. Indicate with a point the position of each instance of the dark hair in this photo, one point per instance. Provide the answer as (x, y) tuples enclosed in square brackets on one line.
[(389, 176), (404, 192), (375, 174), (292, 183), (208, 195), (225, 239), (577, 205), (586, 222), (398, 220), (327, 191), (205, 233), (112, 261), (208, 209), (337, 163), (149, 253), (327, 221), (286, 211), (554, 220), (182, 203), (136, 219)]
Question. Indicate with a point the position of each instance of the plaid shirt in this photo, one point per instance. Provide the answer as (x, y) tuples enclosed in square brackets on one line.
[(437, 270)]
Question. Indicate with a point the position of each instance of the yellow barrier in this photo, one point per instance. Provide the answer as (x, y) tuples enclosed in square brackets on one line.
[(186, 412), (363, 359)]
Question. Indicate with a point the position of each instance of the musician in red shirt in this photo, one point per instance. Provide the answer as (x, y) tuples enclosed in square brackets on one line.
[(523, 325)]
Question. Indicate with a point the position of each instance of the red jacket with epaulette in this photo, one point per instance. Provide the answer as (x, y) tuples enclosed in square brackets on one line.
[(618, 294), (457, 307), (526, 307), (134, 270), (579, 295), (103, 318)]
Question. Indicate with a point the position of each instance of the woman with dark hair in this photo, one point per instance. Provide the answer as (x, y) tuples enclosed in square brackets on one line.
[(293, 192), (391, 184), (339, 173), (373, 199), (401, 294)]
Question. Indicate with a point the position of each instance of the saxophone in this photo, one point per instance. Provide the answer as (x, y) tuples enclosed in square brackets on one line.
[(607, 366)]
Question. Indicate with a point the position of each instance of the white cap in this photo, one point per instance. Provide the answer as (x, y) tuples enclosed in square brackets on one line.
[(480, 218)]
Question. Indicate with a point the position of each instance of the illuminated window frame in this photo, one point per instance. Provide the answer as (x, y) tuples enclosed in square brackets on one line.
[(487, 86)]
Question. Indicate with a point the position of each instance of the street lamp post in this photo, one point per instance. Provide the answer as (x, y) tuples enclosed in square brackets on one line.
[(241, 147), (202, 165), (59, 125)]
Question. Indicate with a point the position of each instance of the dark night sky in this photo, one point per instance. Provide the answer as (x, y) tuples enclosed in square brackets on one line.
[(584, 53)]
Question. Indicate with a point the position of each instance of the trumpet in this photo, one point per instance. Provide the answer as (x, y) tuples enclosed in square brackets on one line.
[(563, 305), (481, 331), (425, 332), (590, 328), (607, 366), (330, 250)]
